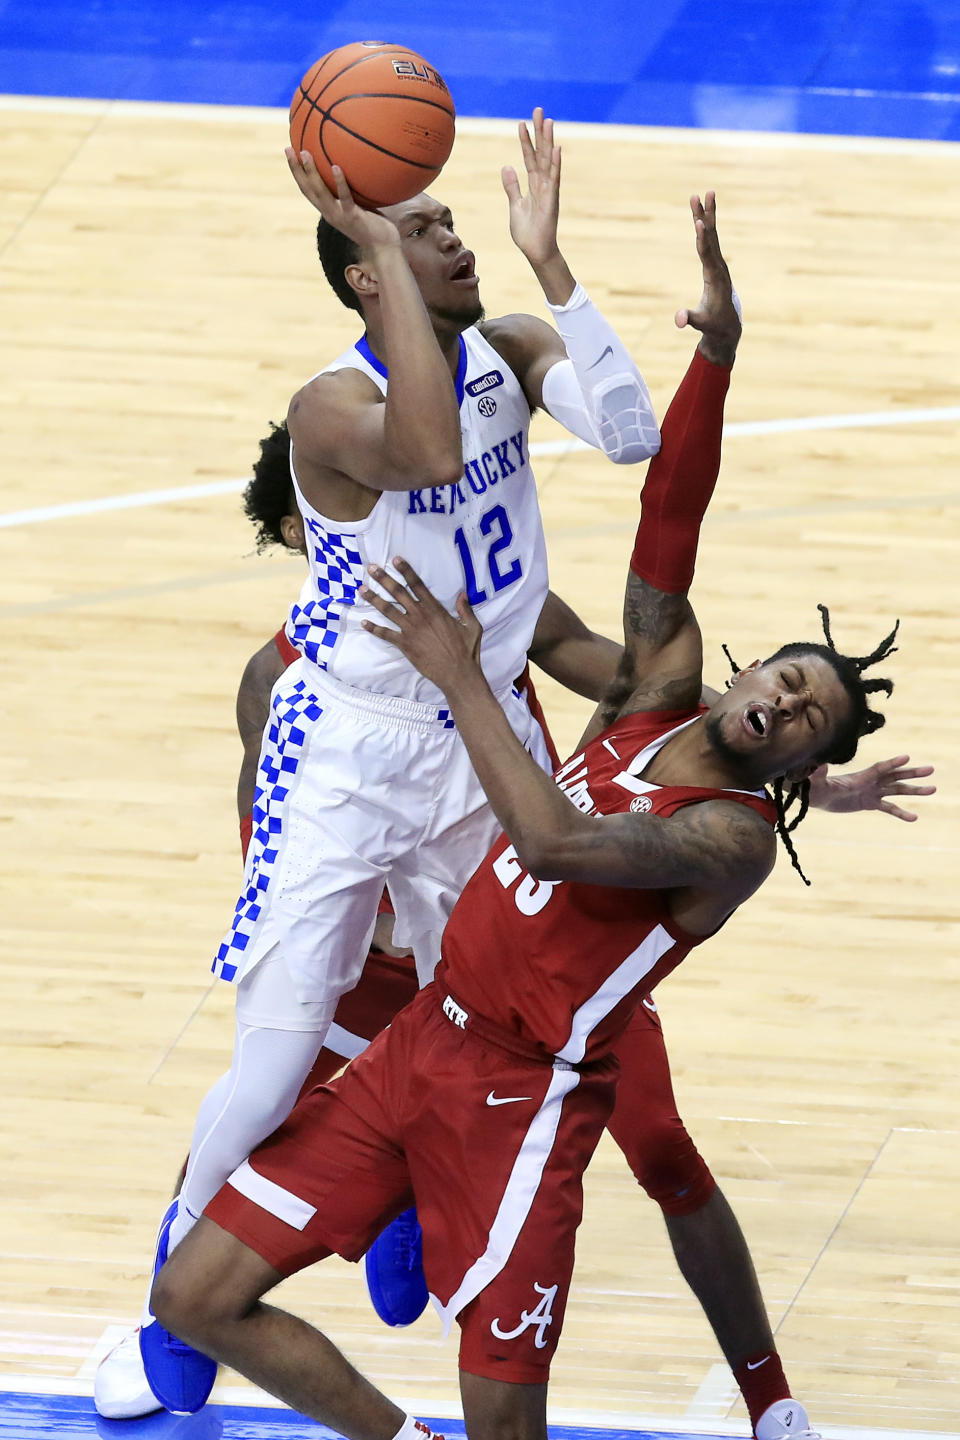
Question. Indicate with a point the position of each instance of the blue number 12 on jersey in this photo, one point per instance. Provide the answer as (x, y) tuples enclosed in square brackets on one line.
[(494, 523)]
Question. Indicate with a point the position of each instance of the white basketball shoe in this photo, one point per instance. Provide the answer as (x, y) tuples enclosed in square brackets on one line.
[(120, 1389), (785, 1420)]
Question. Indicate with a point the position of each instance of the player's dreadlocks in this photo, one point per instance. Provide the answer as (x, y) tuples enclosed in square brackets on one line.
[(862, 720), (269, 495)]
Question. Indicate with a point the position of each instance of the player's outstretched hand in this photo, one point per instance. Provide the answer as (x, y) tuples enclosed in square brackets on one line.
[(868, 789), (443, 647), (716, 317), (364, 227), (534, 216)]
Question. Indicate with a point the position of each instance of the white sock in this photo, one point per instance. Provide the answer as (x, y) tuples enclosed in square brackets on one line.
[(415, 1430)]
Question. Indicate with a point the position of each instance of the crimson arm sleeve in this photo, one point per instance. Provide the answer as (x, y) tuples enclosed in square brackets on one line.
[(681, 479)]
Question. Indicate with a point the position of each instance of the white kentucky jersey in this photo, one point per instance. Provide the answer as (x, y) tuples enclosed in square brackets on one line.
[(482, 535)]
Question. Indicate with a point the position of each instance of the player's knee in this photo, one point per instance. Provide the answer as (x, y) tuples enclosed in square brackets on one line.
[(671, 1170), (499, 1410), (171, 1300), (189, 1302)]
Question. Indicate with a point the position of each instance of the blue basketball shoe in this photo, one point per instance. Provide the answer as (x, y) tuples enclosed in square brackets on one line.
[(179, 1376), (394, 1266)]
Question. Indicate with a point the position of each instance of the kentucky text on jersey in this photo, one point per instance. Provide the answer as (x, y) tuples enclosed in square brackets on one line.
[(480, 474), (481, 535)]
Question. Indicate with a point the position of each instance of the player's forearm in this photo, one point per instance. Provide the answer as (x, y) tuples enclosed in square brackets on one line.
[(421, 416), (556, 841), (555, 277), (570, 653), (525, 800), (599, 393), (585, 664)]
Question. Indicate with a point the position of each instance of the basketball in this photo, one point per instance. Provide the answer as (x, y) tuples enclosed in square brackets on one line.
[(382, 113)]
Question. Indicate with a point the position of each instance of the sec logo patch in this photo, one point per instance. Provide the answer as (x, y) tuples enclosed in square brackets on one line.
[(641, 804), (487, 406)]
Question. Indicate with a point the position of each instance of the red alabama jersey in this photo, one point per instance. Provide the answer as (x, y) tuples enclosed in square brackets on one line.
[(558, 963)]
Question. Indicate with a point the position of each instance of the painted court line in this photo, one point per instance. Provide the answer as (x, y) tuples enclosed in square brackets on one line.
[(37, 1414), (790, 426)]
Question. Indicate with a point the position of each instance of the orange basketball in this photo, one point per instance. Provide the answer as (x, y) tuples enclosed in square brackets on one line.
[(380, 112)]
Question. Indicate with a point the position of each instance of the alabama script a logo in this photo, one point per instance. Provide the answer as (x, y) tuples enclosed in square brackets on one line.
[(540, 1317)]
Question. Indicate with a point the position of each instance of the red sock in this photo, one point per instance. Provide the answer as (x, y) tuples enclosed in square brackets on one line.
[(681, 479), (762, 1381)]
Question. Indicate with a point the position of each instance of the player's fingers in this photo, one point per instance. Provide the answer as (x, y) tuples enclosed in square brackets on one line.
[(344, 193), (396, 613), (696, 319), (511, 184), (916, 773), (526, 146), (896, 812), (415, 585), (466, 613), (682, 319), (298, 170), (387, 582), (910, 790), (393, 637), (545, 150)]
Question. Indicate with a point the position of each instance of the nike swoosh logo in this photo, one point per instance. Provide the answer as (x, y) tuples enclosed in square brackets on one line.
[(652, 1005), (752, 1365), (607, 746), (506, 1099), (608, 351)]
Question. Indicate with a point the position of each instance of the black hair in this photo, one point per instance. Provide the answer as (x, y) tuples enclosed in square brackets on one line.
[(843, 745), (269, 495), (336, 252)]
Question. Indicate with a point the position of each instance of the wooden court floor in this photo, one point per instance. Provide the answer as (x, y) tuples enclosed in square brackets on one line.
[(161, 302)]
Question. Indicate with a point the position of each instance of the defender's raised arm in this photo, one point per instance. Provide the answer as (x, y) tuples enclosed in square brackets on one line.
[(583, 376)]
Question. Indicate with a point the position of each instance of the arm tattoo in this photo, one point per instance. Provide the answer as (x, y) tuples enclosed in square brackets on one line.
[(651, 615), (717, 846), (651, 619)]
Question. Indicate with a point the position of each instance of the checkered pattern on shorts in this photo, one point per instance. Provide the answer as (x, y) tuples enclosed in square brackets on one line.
[(337, 572), (279, 762)]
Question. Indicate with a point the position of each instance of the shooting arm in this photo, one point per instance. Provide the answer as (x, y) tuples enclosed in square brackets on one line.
[(413, 438)]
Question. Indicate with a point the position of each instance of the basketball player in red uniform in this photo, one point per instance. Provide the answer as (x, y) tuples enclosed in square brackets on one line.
[(708, 1243), (487, 1095)]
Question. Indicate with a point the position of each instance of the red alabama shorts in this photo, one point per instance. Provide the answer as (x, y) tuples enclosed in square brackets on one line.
[(491, 1143)]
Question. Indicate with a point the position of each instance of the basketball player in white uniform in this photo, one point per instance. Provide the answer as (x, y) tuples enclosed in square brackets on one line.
[(413, 442)]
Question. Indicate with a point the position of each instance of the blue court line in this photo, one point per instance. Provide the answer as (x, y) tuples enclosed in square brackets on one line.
[(72, 1417)]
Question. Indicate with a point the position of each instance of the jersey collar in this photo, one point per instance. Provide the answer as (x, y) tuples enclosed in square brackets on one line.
[(362, 347)]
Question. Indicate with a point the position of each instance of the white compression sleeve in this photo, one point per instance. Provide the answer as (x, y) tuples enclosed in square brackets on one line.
[(598, 393)]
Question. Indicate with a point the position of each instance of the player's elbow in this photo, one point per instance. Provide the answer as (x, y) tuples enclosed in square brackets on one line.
[(432, 469), (547, 856), (634, 452), (626, 425), (533, 853), (448, 474)]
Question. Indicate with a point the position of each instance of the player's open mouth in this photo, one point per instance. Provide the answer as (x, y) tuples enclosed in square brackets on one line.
[(463, 272), (756, 719)]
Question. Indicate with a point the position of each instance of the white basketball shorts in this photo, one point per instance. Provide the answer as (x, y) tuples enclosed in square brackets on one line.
[(355, 789)]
